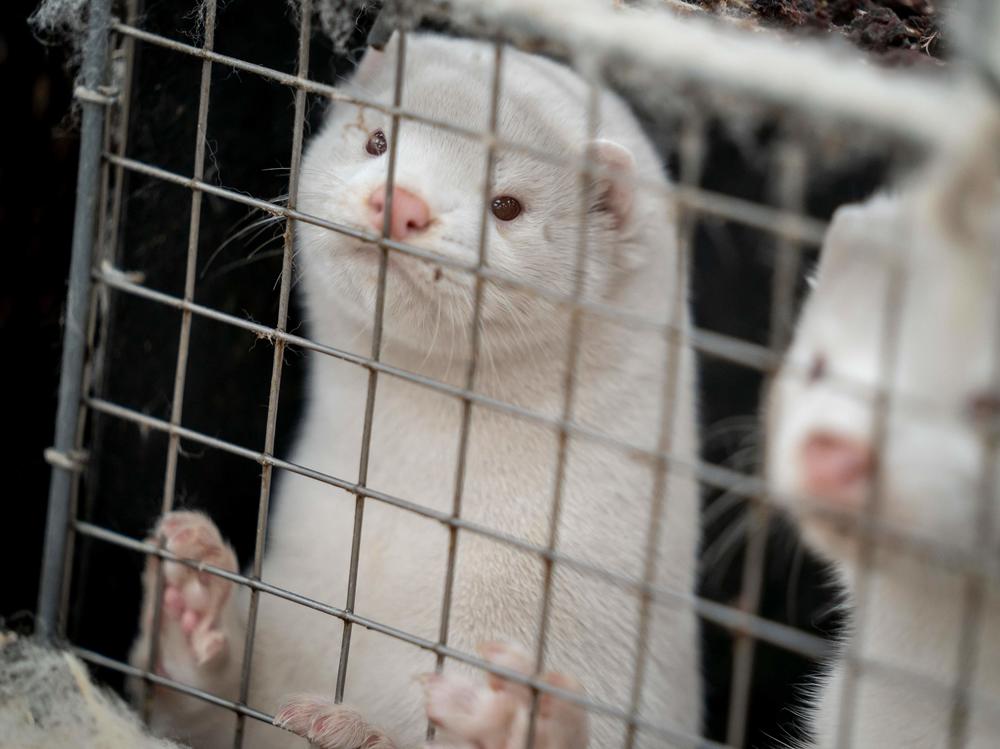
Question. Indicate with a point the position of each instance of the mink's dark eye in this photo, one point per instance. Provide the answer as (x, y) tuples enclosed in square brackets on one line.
[(984, 409), (817, 370), (506, 208), (377, 143)]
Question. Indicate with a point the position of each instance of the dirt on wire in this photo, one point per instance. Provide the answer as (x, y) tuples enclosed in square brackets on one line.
[(897, 32)]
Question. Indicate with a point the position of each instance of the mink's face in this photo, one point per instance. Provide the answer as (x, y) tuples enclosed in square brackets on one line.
[(822, 417), (535, 206)]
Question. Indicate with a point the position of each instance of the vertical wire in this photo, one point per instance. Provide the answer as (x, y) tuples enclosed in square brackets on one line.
[(791, 198), (975, 587), (267, 472), (691, 153), (58, 519), (121, 138), (180, 373), (788, 260), (87, 375), (569, 385), (883, 402), (97, 343), (470, 374), (376, 351)]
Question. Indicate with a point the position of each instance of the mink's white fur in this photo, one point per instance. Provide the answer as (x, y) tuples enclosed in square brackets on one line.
[(47, 699), (941, 236), (632, 263)]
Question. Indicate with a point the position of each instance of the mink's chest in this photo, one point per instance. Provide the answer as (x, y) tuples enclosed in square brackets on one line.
[(502, 469)]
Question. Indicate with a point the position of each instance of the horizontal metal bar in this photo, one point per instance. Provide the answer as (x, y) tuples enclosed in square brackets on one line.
[(102, 660), (783, 223), (800, 228), (94, 531), (921, 108)]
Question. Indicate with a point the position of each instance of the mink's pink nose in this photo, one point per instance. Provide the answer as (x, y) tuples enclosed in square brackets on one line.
[(410, 213), (836, 467)]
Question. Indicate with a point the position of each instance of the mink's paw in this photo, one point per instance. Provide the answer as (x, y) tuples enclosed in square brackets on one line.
[(328, 725), (496, 714), (192, 622)]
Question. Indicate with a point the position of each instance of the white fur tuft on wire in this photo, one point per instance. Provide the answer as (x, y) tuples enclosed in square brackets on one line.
[(47, 700), (61, 22)]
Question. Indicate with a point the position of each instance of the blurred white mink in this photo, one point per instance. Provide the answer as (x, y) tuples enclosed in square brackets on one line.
[(941, 235)]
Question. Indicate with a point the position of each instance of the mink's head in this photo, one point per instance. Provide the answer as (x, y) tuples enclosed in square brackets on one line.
[(532, 214), (898, 300)]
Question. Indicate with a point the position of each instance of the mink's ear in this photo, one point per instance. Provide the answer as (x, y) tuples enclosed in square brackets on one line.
[(376, 58), (613, 188), (865, 233), (843, 235)]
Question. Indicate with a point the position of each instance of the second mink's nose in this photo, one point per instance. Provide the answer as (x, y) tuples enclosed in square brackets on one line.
[(836, 467), (410, 214)]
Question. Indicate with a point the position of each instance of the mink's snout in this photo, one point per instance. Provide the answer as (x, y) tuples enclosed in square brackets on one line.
[(836, 467), (410, 214)]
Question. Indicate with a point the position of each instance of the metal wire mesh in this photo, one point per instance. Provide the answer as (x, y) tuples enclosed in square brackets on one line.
[(104, 164)]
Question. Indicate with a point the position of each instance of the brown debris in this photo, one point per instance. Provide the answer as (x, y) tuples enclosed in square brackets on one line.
[(902, 32)]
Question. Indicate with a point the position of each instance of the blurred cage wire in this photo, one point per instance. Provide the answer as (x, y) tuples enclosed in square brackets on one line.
[(900, 111)]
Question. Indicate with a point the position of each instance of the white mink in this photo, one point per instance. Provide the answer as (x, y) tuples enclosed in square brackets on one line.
[(821, 424), (632, 263)]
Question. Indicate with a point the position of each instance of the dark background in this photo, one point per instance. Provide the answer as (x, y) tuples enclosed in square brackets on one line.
[(229, 371), (37, 185)]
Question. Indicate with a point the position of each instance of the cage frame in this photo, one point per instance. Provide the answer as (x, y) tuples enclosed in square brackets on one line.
[(912, 109)]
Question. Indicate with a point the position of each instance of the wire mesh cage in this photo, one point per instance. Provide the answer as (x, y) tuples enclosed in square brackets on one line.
[(180, 345)]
